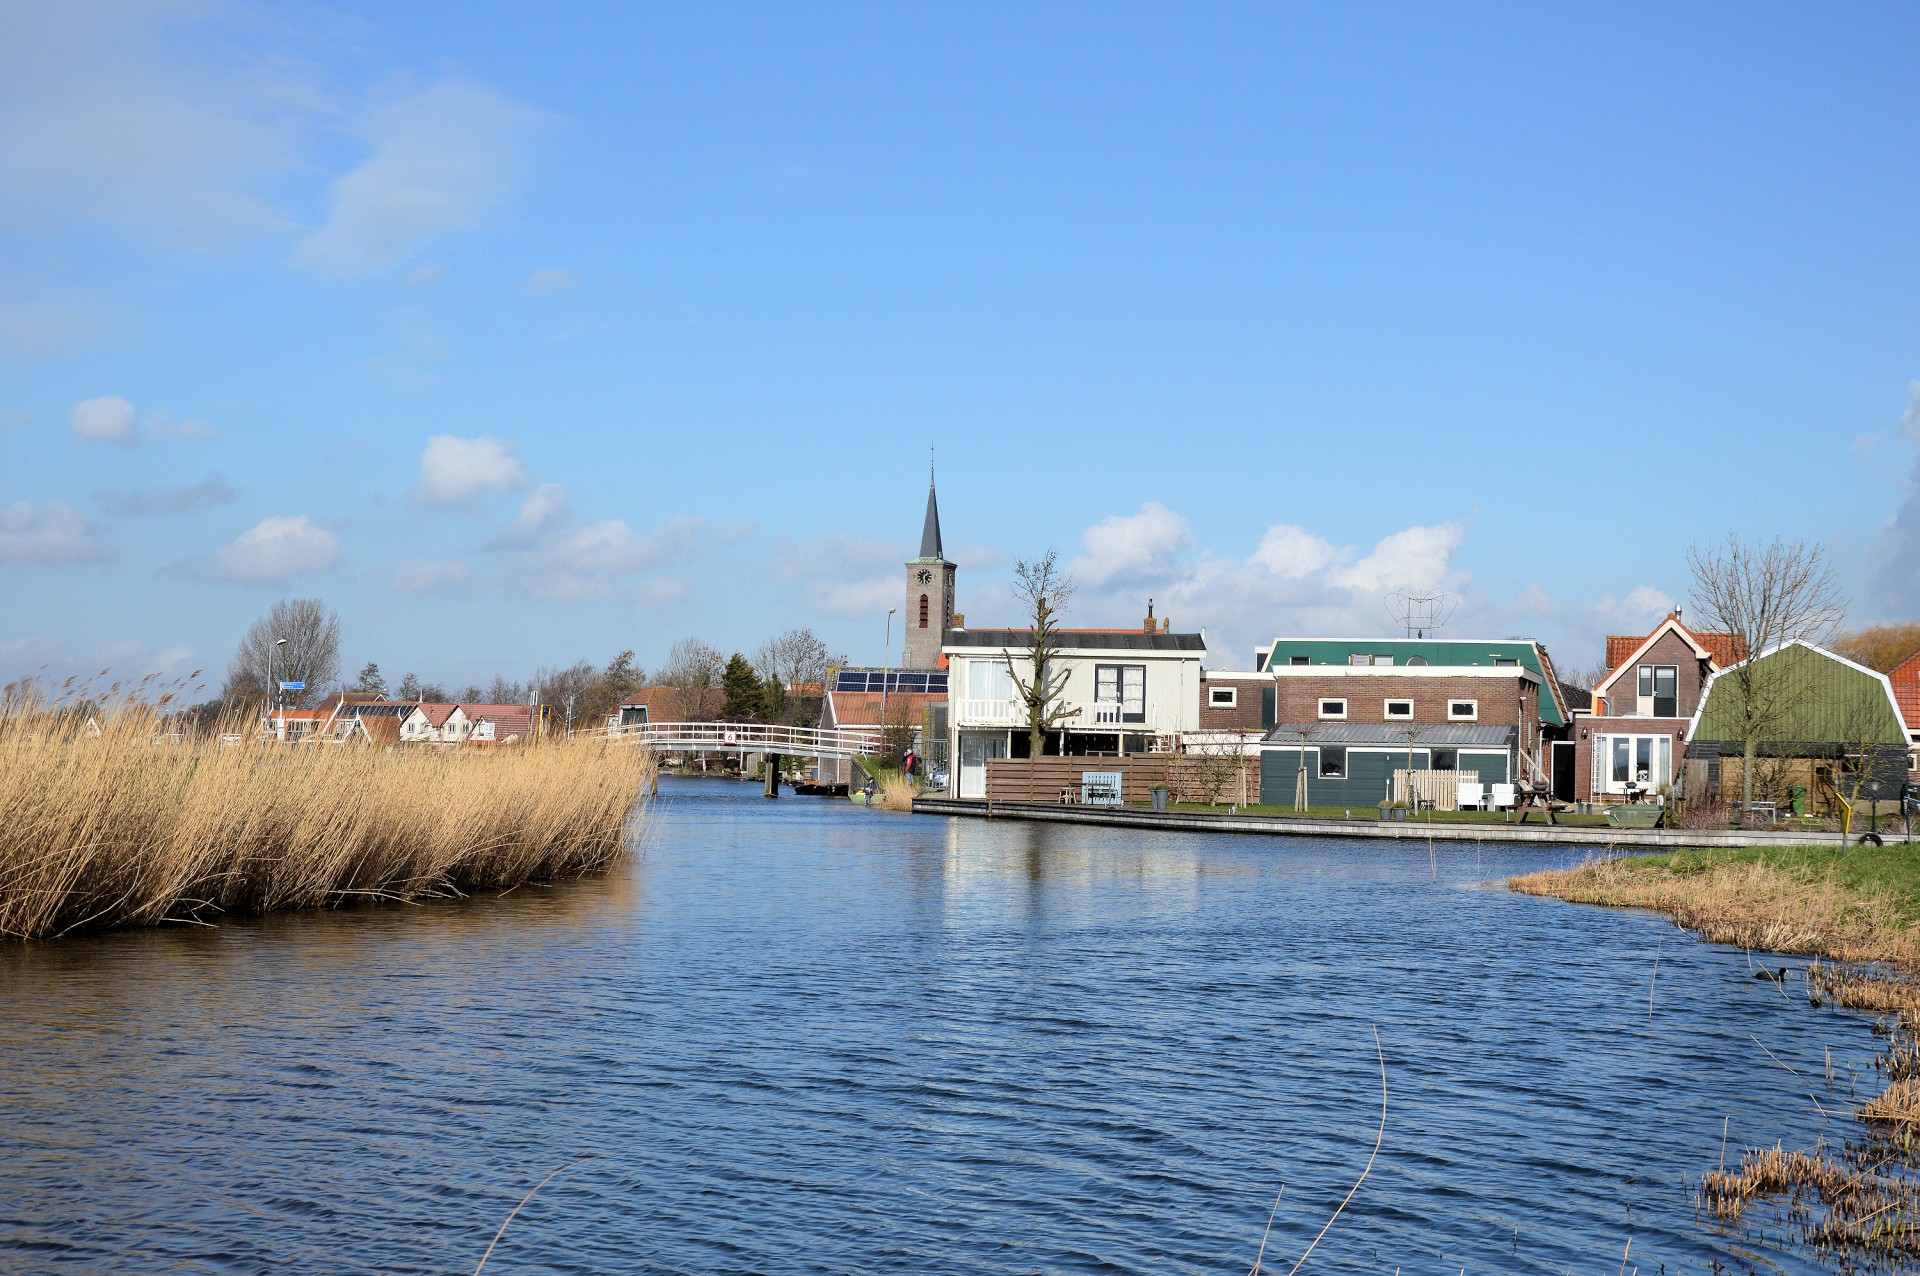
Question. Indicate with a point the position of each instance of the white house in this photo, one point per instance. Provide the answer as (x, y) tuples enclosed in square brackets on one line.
[(434, 724), (1123, 691)]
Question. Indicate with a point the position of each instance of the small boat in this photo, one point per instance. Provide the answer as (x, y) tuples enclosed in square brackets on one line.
[(1636, 816), (812, 788)]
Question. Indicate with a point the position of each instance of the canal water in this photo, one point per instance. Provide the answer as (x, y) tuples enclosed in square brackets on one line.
[(806, 1037)]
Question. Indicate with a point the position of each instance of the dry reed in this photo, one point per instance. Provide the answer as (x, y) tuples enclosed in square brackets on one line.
[(124, 826), (895, 792)]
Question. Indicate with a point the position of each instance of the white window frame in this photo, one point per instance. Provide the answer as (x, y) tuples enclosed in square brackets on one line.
[(1339, 715), (1471, 715), (1386, 710), (1231, 700)]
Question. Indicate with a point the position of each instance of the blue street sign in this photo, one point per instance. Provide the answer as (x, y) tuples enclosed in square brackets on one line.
[(293, 686)]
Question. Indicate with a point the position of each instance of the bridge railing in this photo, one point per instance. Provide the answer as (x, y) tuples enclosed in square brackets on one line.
[(749, 737)]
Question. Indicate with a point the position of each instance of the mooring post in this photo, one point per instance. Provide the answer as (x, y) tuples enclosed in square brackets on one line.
[(773, 775)]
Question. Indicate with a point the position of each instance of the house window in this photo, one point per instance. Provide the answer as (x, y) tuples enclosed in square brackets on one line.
[(1660, 685), (1399, 708), (1463, 710), (1505, 662), (1296, 660), (1120, 690), (1333, 708), (1383, 660), (923, 611), (1223, 697), (1333, 762), (1445, 760), (1360, 660), (1642, 761)]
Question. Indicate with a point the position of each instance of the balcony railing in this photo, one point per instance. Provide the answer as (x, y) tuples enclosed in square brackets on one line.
[(1013, 713)]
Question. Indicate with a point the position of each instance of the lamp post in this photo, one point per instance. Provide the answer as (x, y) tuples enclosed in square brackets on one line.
[(280, 726), (886, 673)]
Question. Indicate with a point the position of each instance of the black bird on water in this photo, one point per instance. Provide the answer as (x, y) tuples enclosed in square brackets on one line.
[(1770, 976)]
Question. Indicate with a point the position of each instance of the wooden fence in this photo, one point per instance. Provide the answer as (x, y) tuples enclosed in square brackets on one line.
[(1211, 778)]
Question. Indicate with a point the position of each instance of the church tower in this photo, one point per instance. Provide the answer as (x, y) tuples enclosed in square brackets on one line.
[(929, 610)]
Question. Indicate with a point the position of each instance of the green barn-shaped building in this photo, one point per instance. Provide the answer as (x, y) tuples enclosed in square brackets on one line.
[(1828, 722)]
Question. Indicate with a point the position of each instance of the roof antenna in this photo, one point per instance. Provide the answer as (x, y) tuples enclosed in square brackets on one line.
[(1419, 614)]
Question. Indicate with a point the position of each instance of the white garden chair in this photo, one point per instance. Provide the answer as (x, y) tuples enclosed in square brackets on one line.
[(1503, 798), (1471, 795)]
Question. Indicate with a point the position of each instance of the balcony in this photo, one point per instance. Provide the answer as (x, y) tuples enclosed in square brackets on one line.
[(1102, 715)]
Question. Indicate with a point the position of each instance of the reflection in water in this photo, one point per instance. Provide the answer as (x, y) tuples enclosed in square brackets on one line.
[(800, 1036)]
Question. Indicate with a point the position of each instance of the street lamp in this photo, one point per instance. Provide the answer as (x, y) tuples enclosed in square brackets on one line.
[(886, 672), (280, 727)]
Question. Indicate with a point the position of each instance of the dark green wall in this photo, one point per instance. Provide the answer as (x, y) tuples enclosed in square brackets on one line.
[(1369, 778)]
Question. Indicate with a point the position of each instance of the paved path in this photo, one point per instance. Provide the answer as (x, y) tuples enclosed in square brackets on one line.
[(1599, 839)]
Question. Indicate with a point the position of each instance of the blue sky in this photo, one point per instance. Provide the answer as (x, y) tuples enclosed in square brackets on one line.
[(521, 337)]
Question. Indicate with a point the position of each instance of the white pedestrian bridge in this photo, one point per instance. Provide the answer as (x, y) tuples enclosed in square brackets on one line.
[(748, 737)]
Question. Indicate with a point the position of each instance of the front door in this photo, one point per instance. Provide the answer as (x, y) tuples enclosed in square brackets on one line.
[(1563, 770), (975, 750)]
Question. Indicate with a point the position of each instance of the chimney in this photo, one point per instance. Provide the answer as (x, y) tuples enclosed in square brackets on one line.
[(1166, 624), (1148, 626), (959, 621)]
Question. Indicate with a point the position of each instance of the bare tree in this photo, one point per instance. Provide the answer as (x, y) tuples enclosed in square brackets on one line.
[(310, 654), (693, 670), (1046, 590), (1586, 677), (789, 663), (564, 690), (503, 690), (1763, 596)]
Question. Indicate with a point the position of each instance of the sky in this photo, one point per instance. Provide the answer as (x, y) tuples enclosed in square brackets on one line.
[(524, 336)]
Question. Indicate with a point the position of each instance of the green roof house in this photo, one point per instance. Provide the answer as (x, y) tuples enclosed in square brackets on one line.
[(1802, 702)]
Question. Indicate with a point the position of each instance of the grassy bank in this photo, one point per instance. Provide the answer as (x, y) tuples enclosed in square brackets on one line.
[(1856, 910), (124, 828), (1372, 813), (1853, 904)]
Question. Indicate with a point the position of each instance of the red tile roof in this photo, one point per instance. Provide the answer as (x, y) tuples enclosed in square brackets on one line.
[(862, 708), (437, 714), (1905, 678), (1725, 649), (507, 719)]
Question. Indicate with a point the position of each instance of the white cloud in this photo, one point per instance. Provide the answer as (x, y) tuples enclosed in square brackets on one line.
[(1897, 549), (1128, 548), (555, 557), (453, 469), (52, 534), (107, 419), (109, 118), (1290, 552), (111, 419), (276, 549), (423, 576), (1644, 602), (442, 156), (547, 279), (210, 491), (1416, 558)]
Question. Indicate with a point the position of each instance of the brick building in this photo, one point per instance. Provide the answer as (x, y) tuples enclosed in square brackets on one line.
[(1634, 739), (1350, 727)]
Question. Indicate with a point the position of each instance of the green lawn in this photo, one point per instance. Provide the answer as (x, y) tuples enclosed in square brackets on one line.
[(1371, 814), (1888, 875)]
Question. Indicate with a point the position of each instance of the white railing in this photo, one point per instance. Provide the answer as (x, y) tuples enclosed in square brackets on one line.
[(1101, 713), (989, 713), (1117, 713), (748, 737)]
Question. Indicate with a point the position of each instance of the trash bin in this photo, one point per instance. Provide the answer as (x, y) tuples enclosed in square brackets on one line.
[(1799, 799), (1159, 799)]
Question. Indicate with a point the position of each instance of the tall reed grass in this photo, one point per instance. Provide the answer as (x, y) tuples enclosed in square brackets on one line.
[(127, 827)]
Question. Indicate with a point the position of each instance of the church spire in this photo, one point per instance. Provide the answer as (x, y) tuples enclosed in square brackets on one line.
[(930, 550)]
